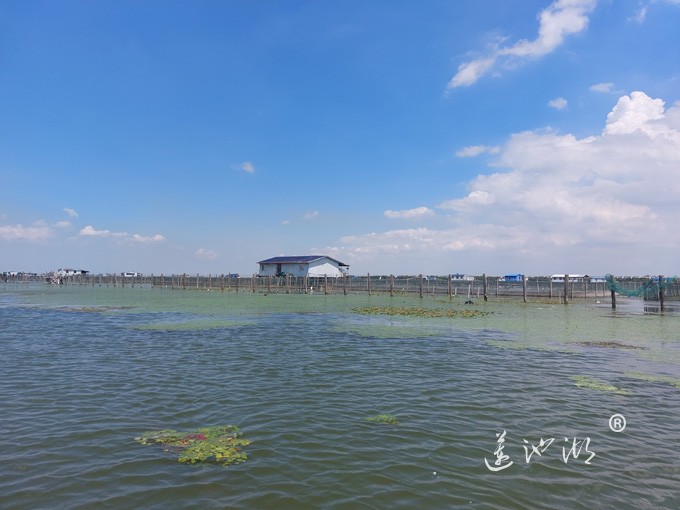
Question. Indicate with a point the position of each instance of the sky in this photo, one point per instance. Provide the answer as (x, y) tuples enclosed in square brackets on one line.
[(399, 137)]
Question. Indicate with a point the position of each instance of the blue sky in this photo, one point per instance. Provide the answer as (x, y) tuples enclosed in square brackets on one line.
[(396, 136)]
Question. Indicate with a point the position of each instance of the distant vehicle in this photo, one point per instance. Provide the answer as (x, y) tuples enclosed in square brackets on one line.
[(282, 274), (131, 274)]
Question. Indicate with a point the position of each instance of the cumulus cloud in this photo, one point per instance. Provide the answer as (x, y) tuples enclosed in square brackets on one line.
[(559, 20), (202, 253), (71, 212), (476, 150), (37, 232), (559, 103), (634, 112), (311, 214), (609, 198), (409, 214)]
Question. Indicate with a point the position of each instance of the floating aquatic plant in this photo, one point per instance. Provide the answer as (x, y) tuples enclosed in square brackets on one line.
[(189, 325), (386, 419), (610, 345), (666, 379), (222, 444), (583, 381), (385, 330), (418, 312)]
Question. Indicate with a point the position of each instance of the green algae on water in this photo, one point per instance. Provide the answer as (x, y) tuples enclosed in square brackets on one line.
[(583, 381), (609, 345), (189, 325), (385, 419), (418, 312), (665, 379), (385, 330), (221, 444)]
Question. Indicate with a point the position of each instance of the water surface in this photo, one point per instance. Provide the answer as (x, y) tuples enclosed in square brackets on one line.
[(86, 370)]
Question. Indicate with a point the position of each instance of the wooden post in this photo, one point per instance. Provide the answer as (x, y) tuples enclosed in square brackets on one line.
[(237, 282), (420, 277), (524, 288), (484, 287), (325, 284), (269, 283), (566, 289), (391, 285), (252, 283), (344, 284), (368, 283), (661, 293)]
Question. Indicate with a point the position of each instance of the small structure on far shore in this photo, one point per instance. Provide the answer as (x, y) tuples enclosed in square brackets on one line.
[(515, 277), (459, 277), (303, 265)]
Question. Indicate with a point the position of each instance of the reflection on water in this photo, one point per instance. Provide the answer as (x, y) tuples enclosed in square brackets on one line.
[(85, 371)]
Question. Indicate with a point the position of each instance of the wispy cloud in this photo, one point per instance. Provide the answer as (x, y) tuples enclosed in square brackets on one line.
[(202, 253), (246, 166), (559, 103), (410, 214), (640, 15), (62, 224), (559, 20), (71, 212), (147, 239), (310, 215), (476, 150), (37, 232), (606, 87), (90, 231)]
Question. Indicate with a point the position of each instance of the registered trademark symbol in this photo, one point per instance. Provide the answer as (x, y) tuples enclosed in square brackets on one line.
[(617, 422)]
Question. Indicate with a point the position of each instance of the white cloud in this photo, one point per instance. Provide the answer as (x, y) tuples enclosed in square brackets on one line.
[(148, 239), (634, 112), (71, 212), (202, 253), (559, 20), (606, 87), (476, 150), (410, 214), (90, 231), (640, 15), (285, 222), (246, 166), (473, 199), (62, 224), (609, 200), (35, 233), (310, 215), (559, 103)]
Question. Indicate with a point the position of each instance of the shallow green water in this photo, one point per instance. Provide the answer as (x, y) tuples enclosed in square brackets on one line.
[(86, 370)]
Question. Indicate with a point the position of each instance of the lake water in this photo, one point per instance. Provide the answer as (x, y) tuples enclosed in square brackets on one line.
[(86, 370)]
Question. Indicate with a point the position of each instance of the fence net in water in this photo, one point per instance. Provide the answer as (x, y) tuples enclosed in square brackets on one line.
[(649, 289)]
